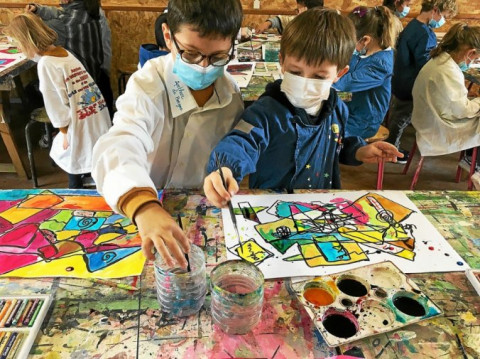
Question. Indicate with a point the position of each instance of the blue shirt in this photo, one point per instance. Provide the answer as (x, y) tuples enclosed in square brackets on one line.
[(369, 81), (149, 51), (282, 147), (413, 51)]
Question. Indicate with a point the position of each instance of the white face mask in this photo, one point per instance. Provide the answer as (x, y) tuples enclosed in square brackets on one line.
[(306, 93)]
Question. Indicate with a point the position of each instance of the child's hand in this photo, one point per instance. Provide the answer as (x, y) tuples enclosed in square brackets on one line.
[(213, 187), (264, 26), (30, 8), (158, 229), (65, 141), (375, 152)]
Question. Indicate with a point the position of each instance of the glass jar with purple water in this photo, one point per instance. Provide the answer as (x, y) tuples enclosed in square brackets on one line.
[(237, 296), (181, 293)]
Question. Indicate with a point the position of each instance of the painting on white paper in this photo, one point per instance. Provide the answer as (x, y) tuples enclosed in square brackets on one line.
[(288, 235)]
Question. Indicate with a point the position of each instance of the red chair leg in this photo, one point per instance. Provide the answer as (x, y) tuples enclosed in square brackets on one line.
[(417, 173), (381, 166), (472, 168), (410, 158)]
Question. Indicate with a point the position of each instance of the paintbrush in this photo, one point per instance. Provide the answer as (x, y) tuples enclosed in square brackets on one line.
[(230, 206), (179, 219)]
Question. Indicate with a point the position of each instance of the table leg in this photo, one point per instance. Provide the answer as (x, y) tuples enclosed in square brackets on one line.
[(12, 150)]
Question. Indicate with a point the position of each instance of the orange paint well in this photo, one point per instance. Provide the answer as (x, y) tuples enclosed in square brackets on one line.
[(318, 296)]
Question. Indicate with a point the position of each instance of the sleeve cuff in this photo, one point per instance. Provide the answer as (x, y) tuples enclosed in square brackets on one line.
[(133, 200)]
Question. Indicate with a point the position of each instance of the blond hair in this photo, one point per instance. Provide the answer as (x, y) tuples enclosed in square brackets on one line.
[(319, 35), (377, 22), (460, 35), (445, 6), (31, 32)]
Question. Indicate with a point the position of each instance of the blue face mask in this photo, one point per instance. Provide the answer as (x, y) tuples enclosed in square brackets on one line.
[(434, 24), (362, 52), (464, 66), (195, 76), (403, 13)]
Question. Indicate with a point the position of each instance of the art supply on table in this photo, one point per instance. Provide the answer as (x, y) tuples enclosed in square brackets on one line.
[(24, 322), (474, 276), (230, 206), (365, 301), (113, 284), (179, 220), (236, 296), (181, 293)]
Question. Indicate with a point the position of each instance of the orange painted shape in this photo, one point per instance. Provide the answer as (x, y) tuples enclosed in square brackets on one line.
[(318, 296), (41, 201), (86, 203)]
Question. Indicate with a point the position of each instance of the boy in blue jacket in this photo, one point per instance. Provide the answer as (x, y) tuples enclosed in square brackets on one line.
[(293, 136)]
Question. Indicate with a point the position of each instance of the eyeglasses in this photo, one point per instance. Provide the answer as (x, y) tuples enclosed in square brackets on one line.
[(195, 57)]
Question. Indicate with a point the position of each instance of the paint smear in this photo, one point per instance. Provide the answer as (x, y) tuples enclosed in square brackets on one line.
[(468, 317)]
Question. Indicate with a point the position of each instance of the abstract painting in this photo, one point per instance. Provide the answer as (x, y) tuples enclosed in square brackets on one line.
[(325, 233), (65, 233)]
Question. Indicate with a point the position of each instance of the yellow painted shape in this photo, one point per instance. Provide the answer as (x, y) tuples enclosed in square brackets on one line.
[(15, 215), (252, 252), (314, 258), (64, 235), (106, 237), (53, 355), (371, 236), (132, 265), (407, 254)]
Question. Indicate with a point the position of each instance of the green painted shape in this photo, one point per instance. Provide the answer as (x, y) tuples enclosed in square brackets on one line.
[(57, 222)]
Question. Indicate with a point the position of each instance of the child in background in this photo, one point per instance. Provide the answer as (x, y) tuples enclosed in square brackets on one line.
[(73, 101), (293, 136), (445, 120), (400, 8), (413, 51), (174, 110), (370, 73), (150, 51), (279, 22)]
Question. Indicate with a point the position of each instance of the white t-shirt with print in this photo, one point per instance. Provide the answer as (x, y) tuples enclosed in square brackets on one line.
[(72, 99)]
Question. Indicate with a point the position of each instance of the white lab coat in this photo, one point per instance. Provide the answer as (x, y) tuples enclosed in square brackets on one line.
[(72, 99), (160, 137), (445, 120)]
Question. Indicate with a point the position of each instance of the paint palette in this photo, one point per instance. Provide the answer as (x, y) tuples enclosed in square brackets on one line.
[(20, 320), (474, 276), (362, 302)]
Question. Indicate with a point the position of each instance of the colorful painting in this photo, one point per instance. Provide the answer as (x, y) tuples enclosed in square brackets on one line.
[(318, 234), (10, 50), (5, 62), (65, 233)]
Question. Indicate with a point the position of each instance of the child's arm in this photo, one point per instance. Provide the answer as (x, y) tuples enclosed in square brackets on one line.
[(365, 78), (377, 151), (214, 190), (421, 52), (45, 12)]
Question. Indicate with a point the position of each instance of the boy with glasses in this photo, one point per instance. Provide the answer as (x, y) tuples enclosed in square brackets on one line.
[(173, 112)]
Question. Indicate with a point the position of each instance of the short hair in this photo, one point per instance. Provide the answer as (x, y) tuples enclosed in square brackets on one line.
[(448, 6), (319, 35), (210, 18), (458, 36), (311, 4), (31, 32), (162, 19), (377, 22), (391, 4)]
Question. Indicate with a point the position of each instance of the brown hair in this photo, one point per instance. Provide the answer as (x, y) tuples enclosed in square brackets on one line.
[(31, 32), (459, 35), (446, 6), (319, 35), (377, 22)]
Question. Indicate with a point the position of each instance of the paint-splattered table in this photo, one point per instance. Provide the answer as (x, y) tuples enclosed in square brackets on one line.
[(90, 320)]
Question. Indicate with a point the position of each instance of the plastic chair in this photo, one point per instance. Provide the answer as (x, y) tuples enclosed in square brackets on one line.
[(39, 115), (381, 135), (459, 168)]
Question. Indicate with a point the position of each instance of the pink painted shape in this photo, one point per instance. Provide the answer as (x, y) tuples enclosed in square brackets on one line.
[(24, 239), (5, 225), (4, 205), (41, 216), (9, 262), (294, 209), (352, 208), (87, 239)]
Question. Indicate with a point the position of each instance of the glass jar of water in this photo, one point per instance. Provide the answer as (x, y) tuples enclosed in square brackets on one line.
[(180, 292), (237, 296)]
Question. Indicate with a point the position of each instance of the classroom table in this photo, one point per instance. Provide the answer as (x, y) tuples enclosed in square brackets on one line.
[(472, 75), (12, 65), (91, 320)]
